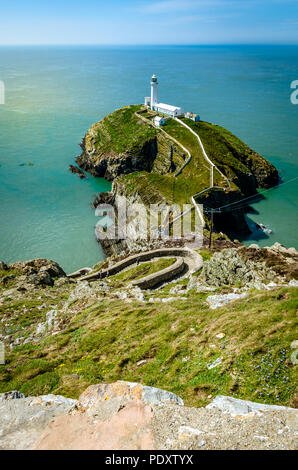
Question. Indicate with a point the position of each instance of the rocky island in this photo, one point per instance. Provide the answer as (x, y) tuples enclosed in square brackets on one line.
[(156, 347), (167, 165)]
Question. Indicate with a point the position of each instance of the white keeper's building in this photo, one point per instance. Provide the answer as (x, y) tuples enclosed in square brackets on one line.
[(153, 103)]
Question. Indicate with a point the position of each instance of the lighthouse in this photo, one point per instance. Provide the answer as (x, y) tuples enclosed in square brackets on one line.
[(154, 98), (153, 103)]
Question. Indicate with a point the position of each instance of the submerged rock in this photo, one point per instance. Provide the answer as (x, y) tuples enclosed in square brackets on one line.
[(76, 170)]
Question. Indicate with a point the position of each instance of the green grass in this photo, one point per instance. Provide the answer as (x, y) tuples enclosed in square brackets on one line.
[(142, 270), (194, 178), (104, 341), (122, 131), (232, 156)]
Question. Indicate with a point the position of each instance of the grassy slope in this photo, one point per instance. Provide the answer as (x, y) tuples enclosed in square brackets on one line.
[(122, 131), (142, 270), (196, 175), (104, 340), (218, 143)]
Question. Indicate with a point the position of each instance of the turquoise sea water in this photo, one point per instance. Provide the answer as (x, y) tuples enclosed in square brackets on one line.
[(53, 94)]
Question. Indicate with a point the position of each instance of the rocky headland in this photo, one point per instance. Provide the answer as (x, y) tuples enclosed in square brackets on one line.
[(145, 165), (162, 345)]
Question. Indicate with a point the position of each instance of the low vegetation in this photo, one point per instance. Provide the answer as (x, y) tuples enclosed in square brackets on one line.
[(125, 147), (170, 345), (123, 130), (142, 270)]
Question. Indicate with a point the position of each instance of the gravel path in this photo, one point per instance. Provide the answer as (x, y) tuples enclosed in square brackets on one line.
[(176, 427)]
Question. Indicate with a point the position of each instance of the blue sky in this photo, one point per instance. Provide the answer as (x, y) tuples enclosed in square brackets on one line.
[(148, 22)]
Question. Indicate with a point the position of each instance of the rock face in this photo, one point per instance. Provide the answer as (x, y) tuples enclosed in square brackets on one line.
[(130, 416), (144, 148), (227, 267), (124, 142), (23, 419), (39, 271)]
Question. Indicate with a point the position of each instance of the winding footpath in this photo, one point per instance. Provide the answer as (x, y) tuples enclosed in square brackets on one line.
[(186, 259), (213, 166)]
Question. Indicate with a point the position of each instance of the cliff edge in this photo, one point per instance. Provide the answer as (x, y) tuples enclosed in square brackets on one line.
[(126, 142)]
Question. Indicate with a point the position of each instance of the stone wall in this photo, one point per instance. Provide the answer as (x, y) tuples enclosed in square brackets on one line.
[(145, 256), (161, 276)]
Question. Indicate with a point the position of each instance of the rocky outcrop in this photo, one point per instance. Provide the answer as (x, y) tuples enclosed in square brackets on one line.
[(131, 416), (237, 407), (264, 173), (77, 171), (38, 271), (228, 267), (106, 154), (283, 261), (23, 419)]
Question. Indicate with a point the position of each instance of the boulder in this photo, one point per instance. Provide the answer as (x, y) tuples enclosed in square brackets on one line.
[(237, 407), (23, 419), (39, 271), (131, 416), (127, 391), (109, 416)]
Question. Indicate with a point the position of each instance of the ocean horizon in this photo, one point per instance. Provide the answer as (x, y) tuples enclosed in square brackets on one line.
[(55, 93)]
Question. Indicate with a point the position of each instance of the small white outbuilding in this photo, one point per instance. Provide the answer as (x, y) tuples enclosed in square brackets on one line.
[(192, 116), (159, 121)]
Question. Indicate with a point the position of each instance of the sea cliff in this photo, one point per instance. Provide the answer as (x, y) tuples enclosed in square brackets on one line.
[(152, 165)]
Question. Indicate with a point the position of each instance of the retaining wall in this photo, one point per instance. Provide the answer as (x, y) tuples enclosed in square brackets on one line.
[(146, 256), (161, 276)]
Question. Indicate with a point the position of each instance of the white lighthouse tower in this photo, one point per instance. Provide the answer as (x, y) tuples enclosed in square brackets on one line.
[(154, 97), (153, 103)]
